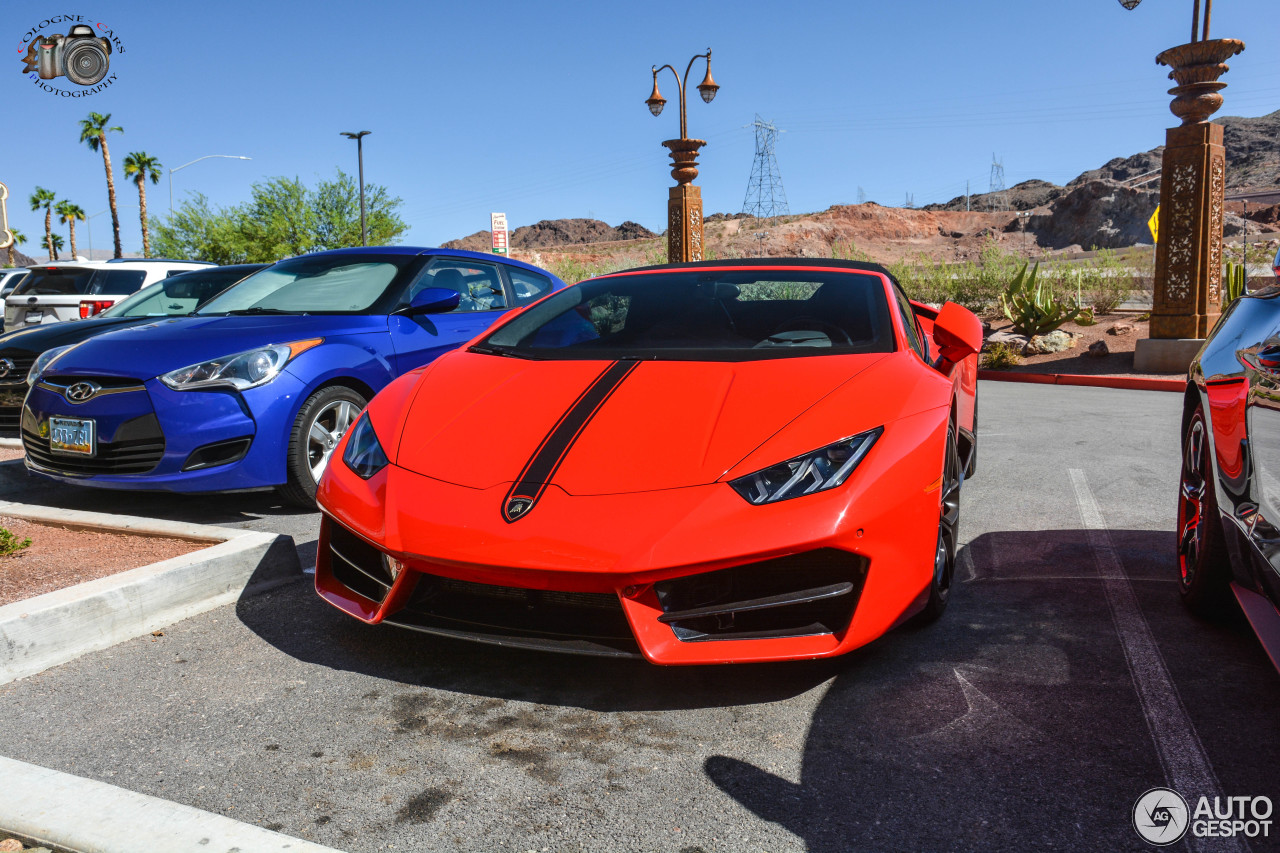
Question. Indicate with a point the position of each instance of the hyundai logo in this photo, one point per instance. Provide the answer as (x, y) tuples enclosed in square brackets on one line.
[(81, 392), (6, 367)]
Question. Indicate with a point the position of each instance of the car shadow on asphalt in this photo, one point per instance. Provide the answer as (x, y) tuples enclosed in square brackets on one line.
[(1011, 723), (16, 484)]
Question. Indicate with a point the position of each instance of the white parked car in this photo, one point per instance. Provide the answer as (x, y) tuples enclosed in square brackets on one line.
[(9, 279), (72, 290)]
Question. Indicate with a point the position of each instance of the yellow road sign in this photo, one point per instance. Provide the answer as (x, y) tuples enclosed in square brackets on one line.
[(1154, 224)]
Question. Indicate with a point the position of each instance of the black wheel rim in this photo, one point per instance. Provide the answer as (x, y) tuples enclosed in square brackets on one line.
[(1191, 502), (949, 520)]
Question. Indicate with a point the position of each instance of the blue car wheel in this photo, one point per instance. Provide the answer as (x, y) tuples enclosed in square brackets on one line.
[(322, 421)]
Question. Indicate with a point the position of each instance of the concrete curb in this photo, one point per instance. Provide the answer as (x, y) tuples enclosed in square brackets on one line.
[(73, 813), (59, 626), (1131, 383), (11, 442)]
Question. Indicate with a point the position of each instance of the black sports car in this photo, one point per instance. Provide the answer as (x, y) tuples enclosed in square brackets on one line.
[(1229, 498), (176, 295)]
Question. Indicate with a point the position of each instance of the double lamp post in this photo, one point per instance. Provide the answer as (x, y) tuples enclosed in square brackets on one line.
[(684, 206)]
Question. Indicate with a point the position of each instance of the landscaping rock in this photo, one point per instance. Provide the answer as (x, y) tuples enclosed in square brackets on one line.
[(1098, 349), (1056, 341), (1018, 342), (1122, 329), (10, 845)]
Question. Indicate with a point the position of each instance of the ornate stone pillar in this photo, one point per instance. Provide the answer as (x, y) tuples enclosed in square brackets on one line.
[(684, 207), (1188, 278), (1187, 294)]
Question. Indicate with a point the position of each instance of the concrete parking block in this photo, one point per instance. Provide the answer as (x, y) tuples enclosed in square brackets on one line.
[(71, 813), (56, 627)]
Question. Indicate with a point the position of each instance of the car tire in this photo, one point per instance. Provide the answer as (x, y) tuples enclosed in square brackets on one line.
[(322, 421), (1204, 567), (944, 560)]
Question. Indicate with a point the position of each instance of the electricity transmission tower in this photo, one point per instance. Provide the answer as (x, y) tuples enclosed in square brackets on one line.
[(911, 201), (862, 195), (999, 197), (765, 195)]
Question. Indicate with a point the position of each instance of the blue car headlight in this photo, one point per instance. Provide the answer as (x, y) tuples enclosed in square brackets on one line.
[(43, 360), (364, 454), (822, 469), (241, 370)]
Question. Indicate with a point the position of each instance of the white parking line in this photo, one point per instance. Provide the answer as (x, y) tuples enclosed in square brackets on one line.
[(1187, 768)]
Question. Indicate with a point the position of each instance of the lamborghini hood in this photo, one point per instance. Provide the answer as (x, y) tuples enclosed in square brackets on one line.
[(600, 427)]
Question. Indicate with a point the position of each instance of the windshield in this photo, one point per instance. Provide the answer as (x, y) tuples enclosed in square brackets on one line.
[(177, 295), (723, 315), (116, 282), (54, 281), (324, 284)]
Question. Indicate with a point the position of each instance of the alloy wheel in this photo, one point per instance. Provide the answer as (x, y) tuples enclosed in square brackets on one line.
[(327, 428)]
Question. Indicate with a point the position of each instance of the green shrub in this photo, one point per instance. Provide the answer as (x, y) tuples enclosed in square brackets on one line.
[(1001, 356), (1032, 307), (10, 544), (1106, 281)]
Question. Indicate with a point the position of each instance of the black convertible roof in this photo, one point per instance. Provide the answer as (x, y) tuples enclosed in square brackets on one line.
[(768, 262)]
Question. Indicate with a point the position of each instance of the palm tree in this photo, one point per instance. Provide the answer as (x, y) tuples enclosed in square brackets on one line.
[(55, 242), (141, 165), (18, 239), (45, 198), (68, 213), (93, 132)]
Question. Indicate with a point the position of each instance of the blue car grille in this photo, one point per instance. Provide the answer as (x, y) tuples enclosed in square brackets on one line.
[(138, 447)]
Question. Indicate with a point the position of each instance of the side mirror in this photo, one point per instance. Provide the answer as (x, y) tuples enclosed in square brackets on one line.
[(957, 333), (432, 300)]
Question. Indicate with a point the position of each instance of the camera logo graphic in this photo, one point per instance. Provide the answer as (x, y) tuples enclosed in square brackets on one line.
[(80, 55), (1161, 817)]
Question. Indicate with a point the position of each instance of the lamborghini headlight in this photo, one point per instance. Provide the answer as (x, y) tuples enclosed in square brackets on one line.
[(364, 454), (818, 471), (240, 370)]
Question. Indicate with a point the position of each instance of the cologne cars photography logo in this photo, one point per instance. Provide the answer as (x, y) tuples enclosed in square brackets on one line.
[(81, 56), (1160, 816)]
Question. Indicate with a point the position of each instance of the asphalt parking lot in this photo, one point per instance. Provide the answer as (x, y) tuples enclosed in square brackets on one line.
[(1064, 681)]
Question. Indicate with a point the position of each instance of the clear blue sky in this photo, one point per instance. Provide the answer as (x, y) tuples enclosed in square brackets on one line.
[(537, 109)]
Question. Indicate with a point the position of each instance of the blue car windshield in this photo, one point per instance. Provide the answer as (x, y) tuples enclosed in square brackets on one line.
[(315, 284), (703, 315)]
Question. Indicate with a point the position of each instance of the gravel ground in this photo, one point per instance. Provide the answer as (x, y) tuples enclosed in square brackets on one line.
[(1011, 724), (60, 557), (1077, 360)]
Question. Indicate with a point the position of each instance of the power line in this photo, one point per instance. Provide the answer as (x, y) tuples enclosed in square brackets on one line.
[(765, 196)]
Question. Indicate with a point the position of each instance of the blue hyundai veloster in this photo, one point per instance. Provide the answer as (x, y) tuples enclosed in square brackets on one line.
[(255, 389)]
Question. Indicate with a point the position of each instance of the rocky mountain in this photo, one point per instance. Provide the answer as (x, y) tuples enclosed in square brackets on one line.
[(1253, 162), (556, 232)]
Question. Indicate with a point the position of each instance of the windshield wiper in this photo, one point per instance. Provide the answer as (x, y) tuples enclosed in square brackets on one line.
[(484, 350), (259, 310)]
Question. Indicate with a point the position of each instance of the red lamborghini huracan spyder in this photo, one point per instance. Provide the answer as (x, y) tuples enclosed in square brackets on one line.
[(700, 463)]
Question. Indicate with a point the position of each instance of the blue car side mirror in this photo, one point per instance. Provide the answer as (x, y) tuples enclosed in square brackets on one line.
[(432, 300)]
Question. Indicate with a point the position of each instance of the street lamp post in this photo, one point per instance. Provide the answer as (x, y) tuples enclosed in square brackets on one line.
[(1187, 294), (684, 205), (359, 138), (88, 221), (192, 163)]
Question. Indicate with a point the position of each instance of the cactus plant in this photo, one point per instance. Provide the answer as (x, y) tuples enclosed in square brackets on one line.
[(1032, 307), (1234, 283)]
